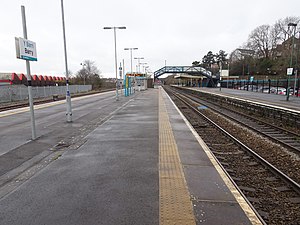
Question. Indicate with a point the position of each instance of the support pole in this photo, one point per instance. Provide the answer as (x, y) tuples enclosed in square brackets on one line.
[(33, 130), (120, 73), (68, 95)]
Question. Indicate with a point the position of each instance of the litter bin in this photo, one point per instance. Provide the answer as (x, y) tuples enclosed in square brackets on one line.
[(55, 97)]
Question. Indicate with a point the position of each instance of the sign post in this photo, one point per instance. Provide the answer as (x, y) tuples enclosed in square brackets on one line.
[(68, 95), (26, 50), (289, 72)]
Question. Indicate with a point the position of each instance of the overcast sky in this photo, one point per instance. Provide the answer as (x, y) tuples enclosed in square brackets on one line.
[(179, 32)]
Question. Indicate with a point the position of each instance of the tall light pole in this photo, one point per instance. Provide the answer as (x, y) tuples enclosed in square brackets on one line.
[(297, 66), (138, 69), (83, 65), (291, 61), (130, 49), (139, 58), (143, 65), (116, 62), (220, 64), (68, 95)]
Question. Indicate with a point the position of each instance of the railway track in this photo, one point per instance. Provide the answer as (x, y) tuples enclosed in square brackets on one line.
[(287, 138), (285, 156), (272, 192)]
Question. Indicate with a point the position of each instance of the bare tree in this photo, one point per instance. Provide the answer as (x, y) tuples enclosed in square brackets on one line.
[(88, 74), (282, 29), (260, 41), (88, 70)]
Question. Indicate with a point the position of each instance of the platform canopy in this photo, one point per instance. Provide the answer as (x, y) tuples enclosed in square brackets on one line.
[(190, 70)]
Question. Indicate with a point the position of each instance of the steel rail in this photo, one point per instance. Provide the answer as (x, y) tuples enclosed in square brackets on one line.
[(278, 129), (272, 168)]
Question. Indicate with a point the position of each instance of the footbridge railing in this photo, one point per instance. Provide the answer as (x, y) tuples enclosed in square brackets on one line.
[(191, 70)]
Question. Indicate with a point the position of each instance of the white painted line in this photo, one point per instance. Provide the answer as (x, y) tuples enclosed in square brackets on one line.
[(239, 198), (246, 100), (41, 106)]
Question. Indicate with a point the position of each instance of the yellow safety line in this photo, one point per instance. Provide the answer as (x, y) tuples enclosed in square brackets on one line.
[(175, 206), (239, 198)]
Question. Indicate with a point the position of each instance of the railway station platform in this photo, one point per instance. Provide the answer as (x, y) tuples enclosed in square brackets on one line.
[(263, 98), (144, 165)]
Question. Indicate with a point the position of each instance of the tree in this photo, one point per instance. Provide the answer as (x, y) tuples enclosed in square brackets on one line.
[(88, 74), (260, 41), (282, 30), (208, 60), (196, 63), (270, 46), (221, 57)]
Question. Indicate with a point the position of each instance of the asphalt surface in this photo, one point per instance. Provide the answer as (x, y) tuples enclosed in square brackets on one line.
[(109, 177), (103, 167), (213, 201)]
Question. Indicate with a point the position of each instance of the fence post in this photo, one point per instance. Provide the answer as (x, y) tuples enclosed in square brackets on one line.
[(10, 94), (287, 87), (20, 93), (298, 87)]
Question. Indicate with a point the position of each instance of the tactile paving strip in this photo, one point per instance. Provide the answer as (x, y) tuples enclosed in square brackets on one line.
[(175, 206)]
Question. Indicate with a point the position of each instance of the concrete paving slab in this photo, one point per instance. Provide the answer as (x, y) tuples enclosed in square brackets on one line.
[(107, 180), (221, 213), (214, 202)]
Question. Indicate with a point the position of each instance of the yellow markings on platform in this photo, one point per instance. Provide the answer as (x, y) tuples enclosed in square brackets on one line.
[(239, 198), (175, 206)]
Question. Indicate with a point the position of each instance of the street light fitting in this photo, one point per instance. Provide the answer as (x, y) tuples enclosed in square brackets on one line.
[(107, 28), (291, 62), (116, 64), (292, 24), (130, 48)]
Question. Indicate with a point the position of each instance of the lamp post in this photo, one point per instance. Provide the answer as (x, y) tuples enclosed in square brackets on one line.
[(143, 65), (145, 78), (291, 61), (83, 65), (68, 95), (116, 63), (130, 49), (220, 63), (138, 69), (297, 67), (139, 58)]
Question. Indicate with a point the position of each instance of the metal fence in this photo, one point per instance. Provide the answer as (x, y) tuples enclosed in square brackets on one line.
[(278, 86), (20, 92)]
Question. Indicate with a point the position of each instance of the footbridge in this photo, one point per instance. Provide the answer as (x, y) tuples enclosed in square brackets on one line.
[(191, 70)]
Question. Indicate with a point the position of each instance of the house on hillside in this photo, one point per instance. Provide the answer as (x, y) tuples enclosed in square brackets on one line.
[(284, 49)]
